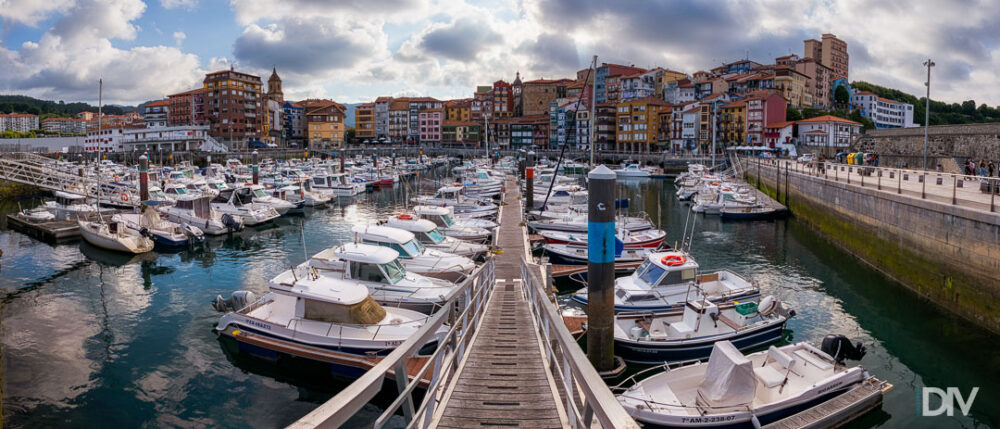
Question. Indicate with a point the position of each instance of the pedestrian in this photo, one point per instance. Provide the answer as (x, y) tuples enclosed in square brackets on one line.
[(966, 165), (990, 167)]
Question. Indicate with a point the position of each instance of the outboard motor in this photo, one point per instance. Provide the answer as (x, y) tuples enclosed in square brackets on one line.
[(236, 301), (232, 223), (194, 233), (840, 348)]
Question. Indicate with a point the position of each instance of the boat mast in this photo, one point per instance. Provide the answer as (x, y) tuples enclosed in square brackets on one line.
[(100, 114), (593, 103)]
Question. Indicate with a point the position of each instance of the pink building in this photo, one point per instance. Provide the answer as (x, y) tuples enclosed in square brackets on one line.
[(430, 125), (763, 108)]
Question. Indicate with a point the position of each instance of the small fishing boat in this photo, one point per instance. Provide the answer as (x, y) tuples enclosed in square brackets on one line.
[(452, 196), (654, 339), (67, 206), (238, 202), (36, 215), (161, 231), (428, 234), (469, 229), (577, 255), (732, 390), (414, 256), (651, 238), (664, 280), (632, 171), (322, 318), (114, 236), (197, 211), (750, 213)]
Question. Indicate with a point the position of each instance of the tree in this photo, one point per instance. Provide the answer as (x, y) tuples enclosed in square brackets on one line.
[(792, 114), (856, 117), (841, 97)]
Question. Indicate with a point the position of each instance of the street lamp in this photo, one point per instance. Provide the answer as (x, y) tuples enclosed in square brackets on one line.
[(927, 109)]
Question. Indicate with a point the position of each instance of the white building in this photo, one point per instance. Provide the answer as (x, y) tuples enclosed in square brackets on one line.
[(689, 126), (156, 113), (583, 129), (18, 122), (885, 113), (176, 138), (679, 91), (827, 131)]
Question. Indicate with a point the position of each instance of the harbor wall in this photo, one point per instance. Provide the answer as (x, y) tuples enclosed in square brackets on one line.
[(899, 147), (945, 253)]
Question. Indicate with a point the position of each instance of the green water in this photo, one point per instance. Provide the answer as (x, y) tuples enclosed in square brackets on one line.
[(94, 339)]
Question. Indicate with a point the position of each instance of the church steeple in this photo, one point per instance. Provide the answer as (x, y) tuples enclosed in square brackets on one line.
[(274, 87)]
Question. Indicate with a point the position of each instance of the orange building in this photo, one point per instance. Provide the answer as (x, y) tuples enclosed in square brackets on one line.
[(638, 123)]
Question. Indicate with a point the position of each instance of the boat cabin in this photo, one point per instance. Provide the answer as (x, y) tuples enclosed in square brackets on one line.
[(326, 299), (440, 216), (67, 199), (403, 242), (361, 262), (175, 190), (201, 206), (424, 230)]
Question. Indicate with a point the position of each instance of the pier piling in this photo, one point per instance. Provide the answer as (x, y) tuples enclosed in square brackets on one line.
[(144, 177), (529, 181), (256, 166), (601, 268)]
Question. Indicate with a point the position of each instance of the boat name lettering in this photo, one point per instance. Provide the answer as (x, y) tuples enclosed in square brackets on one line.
[(712, 419), (827, 389), (252, 322)]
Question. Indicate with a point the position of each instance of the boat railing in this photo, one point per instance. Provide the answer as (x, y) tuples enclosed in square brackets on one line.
[(462, 313), (586, 397)]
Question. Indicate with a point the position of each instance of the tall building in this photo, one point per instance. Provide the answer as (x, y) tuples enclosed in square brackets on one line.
[(502, 100), (481, 103), (885, 113), (399, 119), (415, 106), (517, 89), (18, 122), (382, 118), (792, 85), (295, 122), (763, 108), (458, 110), (639, 124), (830, 52), (430, 125), (538, 94), (233, 106), (324, 123), (605, 71), (604, 126), (364, 122), (187, 108)]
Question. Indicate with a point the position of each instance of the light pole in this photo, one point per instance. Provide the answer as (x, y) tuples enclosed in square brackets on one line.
[(927, 109)]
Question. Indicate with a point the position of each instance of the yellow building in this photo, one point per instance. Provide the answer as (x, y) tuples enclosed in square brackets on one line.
[(638, 124), (733, 123), (324, 123), (364, 122), (458, 110), (791, 84), (664, 77)]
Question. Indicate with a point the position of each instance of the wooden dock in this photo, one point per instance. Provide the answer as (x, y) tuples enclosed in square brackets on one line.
[(52, 231), (839, 410), (503, 380)]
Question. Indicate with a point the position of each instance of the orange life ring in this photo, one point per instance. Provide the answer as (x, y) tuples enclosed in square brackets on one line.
[(404, 217), (673, 260), (124, 197)]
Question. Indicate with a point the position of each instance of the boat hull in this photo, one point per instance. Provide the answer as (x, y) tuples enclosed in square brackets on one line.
[(657, 352), (749, 295)]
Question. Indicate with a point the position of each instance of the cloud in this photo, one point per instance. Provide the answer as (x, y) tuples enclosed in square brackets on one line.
[(174, 4), (307, 46), (30, 12), (552, 53), (460, 41), (72, 55), (251, 11), (179, 37)]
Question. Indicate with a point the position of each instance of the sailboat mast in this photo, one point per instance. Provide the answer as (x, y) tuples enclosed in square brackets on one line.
[(100, 114), (593, 103)]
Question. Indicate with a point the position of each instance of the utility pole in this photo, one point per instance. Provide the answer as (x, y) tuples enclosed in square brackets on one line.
[(593, 103), (927, 109)]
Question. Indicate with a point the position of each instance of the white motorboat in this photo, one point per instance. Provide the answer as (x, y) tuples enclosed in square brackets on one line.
[(654, 339), (451, 196), (632, 170), (114, 236), (198, 212), (67, 206), (665, 281), (336, 321), (576, 222), (379, 269), (161, 231), (260, 196), (432, 238), (469, 229), (414, 256), (741, 391), (239, 203), (338, 183), (37, 214)]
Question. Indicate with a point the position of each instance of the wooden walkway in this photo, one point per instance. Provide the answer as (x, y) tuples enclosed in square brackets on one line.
[(503, 381), (839, 410)]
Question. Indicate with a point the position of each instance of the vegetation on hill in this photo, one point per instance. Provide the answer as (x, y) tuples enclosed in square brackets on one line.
[(941, 113), (48, 109), (793, 114)]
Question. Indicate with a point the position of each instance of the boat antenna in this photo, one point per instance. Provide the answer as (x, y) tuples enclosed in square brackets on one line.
[(562, 151)]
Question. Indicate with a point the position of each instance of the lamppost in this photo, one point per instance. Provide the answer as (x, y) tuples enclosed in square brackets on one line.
[(927, 109)]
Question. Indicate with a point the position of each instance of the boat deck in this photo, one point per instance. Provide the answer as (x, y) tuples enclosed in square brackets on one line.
[(503, 381)]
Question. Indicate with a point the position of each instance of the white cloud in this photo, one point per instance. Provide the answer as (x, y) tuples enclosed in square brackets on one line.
[(173, 4), (179, 37), (29, 12)]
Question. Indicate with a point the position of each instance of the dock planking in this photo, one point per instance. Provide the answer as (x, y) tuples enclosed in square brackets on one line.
[(838, 411), (503, 381)]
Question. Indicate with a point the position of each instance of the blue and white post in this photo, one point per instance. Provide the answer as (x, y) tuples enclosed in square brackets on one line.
[(255, 162), (601, 268)]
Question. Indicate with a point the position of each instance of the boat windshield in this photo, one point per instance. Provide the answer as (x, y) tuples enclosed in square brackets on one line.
[(180, 191), (435, 236), (394, 271), (650, 272), (157, 195), (412, 248), (220, 185), (259, 193), (447, 220)]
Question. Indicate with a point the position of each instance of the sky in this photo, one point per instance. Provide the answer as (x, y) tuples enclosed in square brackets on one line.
[(355, 50)]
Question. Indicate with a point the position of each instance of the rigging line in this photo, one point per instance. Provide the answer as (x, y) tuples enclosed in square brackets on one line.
[(562, 151)]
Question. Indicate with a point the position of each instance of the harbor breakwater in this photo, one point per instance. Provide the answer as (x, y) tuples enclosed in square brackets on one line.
[(946, 253)]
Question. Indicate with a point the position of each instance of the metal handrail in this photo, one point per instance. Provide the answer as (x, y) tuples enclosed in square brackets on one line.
[(463, 312), (564, 357)]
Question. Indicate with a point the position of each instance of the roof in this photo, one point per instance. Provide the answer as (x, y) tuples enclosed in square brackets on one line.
[(780, 124), (193, 91), (816, 132), (828, 118), (383, 99), (382, 233), (358, 252), (886, 100), (424, 100), (649, 100), (320, 288), (18, 115), (865, 93), (547, 81), (739, 103), (413, 224), (158, 103)]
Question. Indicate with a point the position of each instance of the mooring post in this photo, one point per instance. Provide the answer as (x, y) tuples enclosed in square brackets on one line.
[(601, 268), (923, 186), (520, 164), (529, 181), (954, 190), (341, 161), (256, 167), (144, 177)]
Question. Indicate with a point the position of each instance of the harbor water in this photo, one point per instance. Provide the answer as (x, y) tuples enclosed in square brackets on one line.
[(95, 339)]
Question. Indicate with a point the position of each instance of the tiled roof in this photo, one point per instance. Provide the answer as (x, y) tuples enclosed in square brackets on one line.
[(650, 100), (193, 91), (735, 104), (828, 118), (158, 103), (780, 124), (816, 132), (547, 81)]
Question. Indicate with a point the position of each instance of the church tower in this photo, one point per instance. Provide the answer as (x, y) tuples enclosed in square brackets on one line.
[(517, 87), (274, 87)]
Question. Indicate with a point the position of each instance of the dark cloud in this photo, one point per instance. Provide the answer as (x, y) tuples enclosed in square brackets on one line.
[(308, 46), (552, 54), (460, 41)]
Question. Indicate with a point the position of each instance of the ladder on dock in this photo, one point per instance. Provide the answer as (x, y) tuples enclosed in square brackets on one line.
[(31, 169), (507, 360)]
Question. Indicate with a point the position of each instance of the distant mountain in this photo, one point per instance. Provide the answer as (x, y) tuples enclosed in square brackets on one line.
[(941, 113), (25, 104)]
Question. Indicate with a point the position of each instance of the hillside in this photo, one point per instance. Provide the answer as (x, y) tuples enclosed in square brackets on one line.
[(48, 108), (941, 113)]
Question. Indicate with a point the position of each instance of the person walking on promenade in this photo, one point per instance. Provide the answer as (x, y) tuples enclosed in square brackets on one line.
[(966, 168)]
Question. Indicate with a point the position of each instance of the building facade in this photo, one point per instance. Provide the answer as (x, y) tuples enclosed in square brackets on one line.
[(324, 123), (155, 114), (638, 124), (430, 125), (827, 131), (234, 107), (18, 122), (830, 52), (187, 108), (763, 109), (537, 95), (295, 122), (364, 122), (885, 113)]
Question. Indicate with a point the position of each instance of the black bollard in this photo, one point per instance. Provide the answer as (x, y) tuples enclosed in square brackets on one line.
[(144, 177), (256, 167), (601, 268), (529, 181)]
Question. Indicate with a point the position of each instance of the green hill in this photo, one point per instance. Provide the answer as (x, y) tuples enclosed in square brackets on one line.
[(941, 113), (47, 108)]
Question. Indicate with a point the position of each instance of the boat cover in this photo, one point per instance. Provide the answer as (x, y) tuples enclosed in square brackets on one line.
[(729, 379)]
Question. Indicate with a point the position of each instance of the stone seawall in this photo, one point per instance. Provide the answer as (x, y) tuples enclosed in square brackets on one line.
[(948, 254), (906, 145)]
